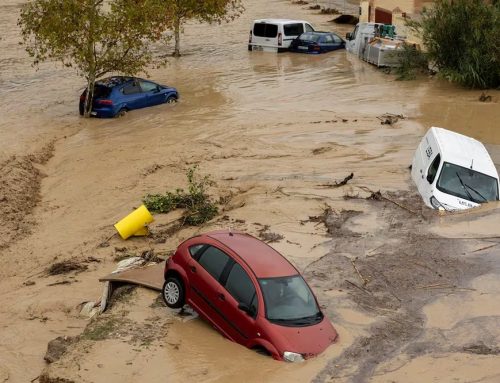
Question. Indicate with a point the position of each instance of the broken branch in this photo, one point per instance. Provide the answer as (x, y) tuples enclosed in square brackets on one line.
[(338, 184), (358, 287), (365, 280)]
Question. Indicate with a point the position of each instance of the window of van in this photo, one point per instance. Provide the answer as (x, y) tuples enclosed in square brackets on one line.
[(353, 35), (431, 173), (309, 28), (265, 30), (293, 29)]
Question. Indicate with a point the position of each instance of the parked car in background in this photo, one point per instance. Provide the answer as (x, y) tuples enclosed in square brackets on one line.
[(453, 171), (114, 96), (250, 293), (275, 35), (316, 42)]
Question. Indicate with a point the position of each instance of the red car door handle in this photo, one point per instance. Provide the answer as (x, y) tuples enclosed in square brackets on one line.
[(222, 297), (193, 269)]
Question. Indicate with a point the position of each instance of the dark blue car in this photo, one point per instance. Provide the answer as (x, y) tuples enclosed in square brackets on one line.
[(316, 42), (115, 96)]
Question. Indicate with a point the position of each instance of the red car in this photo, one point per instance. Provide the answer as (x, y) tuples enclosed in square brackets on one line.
[(250, 293)]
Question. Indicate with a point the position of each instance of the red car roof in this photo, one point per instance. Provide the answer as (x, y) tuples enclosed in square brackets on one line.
[(260, 257)]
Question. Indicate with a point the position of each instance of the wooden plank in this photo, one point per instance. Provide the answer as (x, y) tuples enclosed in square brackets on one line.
[(147, 276)]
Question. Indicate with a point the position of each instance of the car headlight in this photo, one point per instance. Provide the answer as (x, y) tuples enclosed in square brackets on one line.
[(292, 357), (436, 204)]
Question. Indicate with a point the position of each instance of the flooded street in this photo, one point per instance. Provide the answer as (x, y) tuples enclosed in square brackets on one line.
[(270, 130)]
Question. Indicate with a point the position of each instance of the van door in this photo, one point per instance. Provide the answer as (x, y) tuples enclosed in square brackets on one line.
[(350, 44), (430, 178), (291, 31), (264, 35)]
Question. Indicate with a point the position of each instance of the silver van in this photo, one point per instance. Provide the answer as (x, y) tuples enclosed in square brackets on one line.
[(275, 35)]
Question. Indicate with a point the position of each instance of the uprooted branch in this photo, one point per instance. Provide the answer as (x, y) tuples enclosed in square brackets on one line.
[(341, 183), (379, 196)]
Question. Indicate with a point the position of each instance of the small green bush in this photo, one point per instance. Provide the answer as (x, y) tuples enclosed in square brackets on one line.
[(198, 205), (462, 39), (412, 62)]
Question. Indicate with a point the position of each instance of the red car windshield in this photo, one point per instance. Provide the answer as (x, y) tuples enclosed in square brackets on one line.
[(289, 301)]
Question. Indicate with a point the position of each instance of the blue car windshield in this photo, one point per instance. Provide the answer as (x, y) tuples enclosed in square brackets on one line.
[(289, 301), (467, 184), (309, 36)]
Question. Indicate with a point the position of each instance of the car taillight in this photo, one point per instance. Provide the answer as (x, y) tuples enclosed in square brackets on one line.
[(104, 102), (280, 39), (82, 98), (316, 47), (250, 37)]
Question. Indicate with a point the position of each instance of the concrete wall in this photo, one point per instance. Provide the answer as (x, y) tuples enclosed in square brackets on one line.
[(400, 9)]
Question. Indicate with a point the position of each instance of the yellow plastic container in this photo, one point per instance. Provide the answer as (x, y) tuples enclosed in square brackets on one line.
[(134, 223), (143, 231)]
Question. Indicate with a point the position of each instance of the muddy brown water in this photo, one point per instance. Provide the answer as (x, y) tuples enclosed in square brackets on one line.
[(270, 129)]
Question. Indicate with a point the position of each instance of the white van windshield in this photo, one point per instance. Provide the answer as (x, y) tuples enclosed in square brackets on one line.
[(265, 30), (467, 184)]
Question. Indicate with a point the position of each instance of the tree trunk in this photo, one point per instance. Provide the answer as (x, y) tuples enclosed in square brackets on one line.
[(89, 95), (177, 37)]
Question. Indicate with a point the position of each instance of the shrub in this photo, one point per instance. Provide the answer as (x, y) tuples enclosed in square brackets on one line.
[(199, 206), (412, 61), (462, 38)]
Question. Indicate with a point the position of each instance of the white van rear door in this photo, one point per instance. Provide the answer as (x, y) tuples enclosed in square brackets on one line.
[(264, 35)]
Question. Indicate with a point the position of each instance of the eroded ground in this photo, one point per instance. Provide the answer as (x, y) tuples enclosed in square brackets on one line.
[(414, 295)]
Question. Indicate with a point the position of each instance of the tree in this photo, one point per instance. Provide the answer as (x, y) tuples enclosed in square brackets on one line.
[(179, 11), (95, 37), (462, 39)]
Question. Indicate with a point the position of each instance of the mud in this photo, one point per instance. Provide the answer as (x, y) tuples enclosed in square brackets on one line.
[(418, 290), (380, 286), (58, 347), (20, 182), (66, 267)]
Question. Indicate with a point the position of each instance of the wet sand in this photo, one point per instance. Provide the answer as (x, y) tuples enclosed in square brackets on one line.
[(270, 129)]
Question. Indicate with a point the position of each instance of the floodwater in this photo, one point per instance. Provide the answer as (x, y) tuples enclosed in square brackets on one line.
[(254, 121)]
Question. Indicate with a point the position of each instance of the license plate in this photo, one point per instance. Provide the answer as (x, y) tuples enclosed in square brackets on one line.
[(303, 48), (257, 48)]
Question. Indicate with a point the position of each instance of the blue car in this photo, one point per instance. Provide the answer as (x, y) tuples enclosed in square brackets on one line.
[(317, 42), (115, 96)]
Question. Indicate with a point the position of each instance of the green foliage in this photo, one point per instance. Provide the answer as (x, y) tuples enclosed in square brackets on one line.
[(462, 38), (95, 37), (102, 328), (179, 11), (412, 61), (199, 207)]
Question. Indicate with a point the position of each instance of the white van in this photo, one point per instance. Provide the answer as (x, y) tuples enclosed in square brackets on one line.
[(453, 171), (376, 43), (275, 35)]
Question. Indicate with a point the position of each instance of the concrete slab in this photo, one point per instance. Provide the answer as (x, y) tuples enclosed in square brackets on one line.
[(147, 276)]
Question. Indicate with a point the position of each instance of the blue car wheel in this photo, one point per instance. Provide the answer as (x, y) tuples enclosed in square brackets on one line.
[(122, 112), (171, 99)]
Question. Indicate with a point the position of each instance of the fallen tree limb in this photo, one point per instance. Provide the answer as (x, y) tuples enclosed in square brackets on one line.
[(363, 279), (341, 183), (358, 287), (378, 195), (484, 248)]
